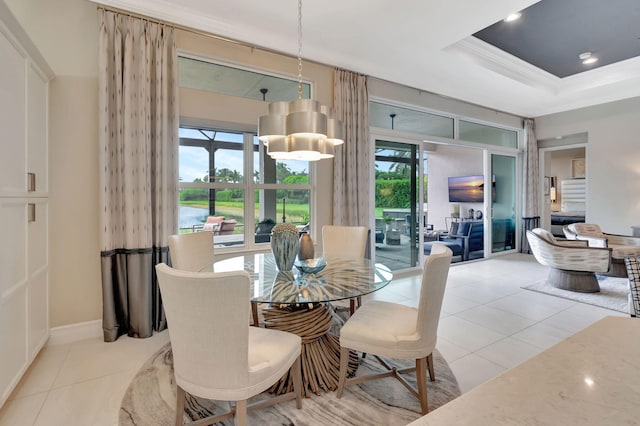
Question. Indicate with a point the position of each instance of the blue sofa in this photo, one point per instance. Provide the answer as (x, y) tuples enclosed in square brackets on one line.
[(463, 238), (469, 237)]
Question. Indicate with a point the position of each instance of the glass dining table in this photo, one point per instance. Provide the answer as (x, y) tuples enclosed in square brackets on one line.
[(301, 303)]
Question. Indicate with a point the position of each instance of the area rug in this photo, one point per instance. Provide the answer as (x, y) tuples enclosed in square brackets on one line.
[(150, 399), (614, 293)]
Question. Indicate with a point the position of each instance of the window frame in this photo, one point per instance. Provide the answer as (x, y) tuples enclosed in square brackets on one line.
[(248, 185)]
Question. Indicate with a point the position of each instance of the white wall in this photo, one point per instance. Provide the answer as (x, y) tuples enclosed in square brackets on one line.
[(449, 161), (612, 156)]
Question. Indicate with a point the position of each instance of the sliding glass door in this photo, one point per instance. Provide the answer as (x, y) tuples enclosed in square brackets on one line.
[(503, 211), (396, 204)]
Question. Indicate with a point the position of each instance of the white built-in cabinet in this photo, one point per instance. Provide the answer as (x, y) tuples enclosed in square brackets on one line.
[(24, 192)]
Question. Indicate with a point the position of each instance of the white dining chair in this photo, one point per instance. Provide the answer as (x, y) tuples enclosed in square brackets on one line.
[(398, 331), (216, 354), (344, 242), (192, 251)]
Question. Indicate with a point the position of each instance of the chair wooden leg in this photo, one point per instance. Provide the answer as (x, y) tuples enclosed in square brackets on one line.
[(354, 304), (254, 314), (432, 373), (344, 362), (421, 379), (180, 395), (296, 372), (241, 413)]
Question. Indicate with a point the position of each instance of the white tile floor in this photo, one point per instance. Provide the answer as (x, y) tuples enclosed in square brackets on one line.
[(488, 324)]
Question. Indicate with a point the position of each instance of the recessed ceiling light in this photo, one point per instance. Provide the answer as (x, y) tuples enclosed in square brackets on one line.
[(587, 58), (513, 17)]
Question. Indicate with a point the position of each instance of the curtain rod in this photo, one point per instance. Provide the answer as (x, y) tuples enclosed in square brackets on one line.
[(204, 33)]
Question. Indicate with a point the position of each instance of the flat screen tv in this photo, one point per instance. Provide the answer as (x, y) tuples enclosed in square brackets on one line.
[(469, 189)]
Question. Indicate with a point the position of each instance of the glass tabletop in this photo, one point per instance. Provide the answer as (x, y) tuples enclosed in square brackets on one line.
[(342, 278)]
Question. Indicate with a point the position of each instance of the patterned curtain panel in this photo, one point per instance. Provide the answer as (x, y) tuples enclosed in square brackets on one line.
[(352, 163), (138, 119), (530, 184)]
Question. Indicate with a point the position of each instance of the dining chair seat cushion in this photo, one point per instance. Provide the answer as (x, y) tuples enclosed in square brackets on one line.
[(370, 330), (271, 353)]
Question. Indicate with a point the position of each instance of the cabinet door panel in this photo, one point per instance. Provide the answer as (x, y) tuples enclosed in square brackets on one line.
[(38, 312), (37, 148), (13, 251), (13, 340), (13, 175), (38, 275), (38, 236)]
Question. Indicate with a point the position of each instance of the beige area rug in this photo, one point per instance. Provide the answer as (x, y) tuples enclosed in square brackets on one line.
[(150, 400), (614, 293)]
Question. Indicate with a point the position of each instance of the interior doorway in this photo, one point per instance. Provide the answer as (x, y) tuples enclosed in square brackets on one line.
[(564, 180)]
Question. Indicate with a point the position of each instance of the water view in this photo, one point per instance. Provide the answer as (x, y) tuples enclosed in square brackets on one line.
[(189, 216)]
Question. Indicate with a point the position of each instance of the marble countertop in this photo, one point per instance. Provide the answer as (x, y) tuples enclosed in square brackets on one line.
[(591, 378)]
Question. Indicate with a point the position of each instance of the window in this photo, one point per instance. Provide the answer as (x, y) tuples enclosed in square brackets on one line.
[(488, 135), (234, 81), (217, 194), (409, 120)]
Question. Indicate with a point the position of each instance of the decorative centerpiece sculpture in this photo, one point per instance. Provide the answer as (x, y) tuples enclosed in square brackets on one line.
[(284, 244), (306, 247)]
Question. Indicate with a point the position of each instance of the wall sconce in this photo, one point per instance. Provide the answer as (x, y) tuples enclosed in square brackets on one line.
[(552, 189)]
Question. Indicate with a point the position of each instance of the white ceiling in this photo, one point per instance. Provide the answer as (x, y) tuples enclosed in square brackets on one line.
[(425, 44)]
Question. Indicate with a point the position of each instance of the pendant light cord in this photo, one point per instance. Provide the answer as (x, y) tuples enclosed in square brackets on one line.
[(299, 49)]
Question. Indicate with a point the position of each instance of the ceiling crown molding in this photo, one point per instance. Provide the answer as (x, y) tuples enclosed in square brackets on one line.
[(503, 63)]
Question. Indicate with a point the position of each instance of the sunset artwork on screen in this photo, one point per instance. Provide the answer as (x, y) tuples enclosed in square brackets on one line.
[(468, 189)]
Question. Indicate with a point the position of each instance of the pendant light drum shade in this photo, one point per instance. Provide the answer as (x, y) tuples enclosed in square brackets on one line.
[(306, 120), (302, 129)]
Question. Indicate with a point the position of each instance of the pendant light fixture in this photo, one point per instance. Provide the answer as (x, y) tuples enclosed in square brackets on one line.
[(303, 129)]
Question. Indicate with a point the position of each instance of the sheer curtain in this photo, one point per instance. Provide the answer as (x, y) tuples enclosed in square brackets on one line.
[(352, 163), (138, 137), (530, 184)]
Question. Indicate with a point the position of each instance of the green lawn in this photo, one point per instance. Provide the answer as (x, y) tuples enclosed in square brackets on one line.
[(235, 210)]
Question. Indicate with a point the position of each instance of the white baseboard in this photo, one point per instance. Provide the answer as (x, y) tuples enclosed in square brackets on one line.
[(74, 332)]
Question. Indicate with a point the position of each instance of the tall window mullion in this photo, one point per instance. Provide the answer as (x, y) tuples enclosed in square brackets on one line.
[(227, 177)]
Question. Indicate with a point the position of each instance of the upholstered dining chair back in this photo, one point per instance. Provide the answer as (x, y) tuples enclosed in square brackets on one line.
[(434, 280), (344, 241), (192, 251), (216, 354), (207, 317)]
